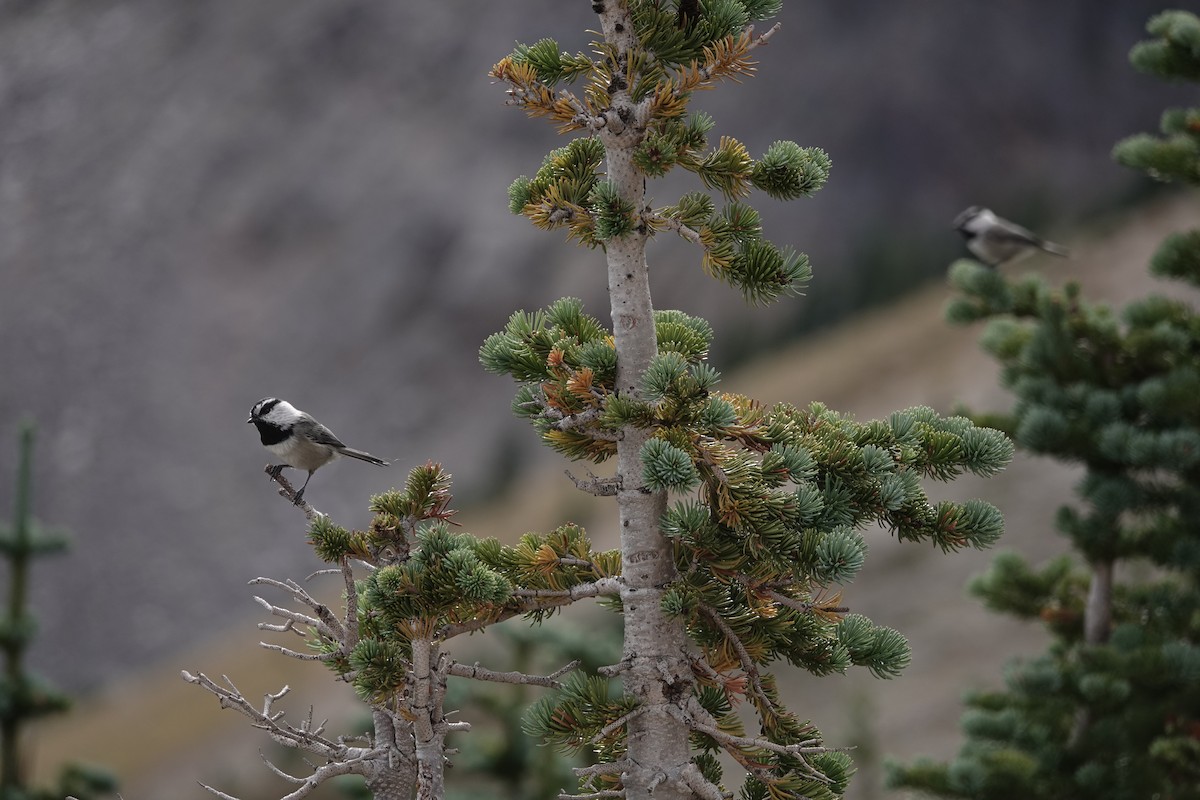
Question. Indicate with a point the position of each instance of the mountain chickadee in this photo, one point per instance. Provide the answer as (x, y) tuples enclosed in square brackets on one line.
[(298, 440), (994, 240)]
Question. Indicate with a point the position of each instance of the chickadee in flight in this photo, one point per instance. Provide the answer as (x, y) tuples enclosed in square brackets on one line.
[(994, 240), (298, 440)]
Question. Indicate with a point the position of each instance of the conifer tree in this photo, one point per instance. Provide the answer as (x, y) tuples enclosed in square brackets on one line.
[(24, 697), (738, 520), (1112, 710), (734, 575)]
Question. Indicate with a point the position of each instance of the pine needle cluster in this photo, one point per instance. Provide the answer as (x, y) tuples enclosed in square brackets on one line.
[(431, 583), (675, 59)]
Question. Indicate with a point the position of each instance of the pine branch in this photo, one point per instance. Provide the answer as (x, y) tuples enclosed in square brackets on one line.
[(675, 226), (604, 769), (617, 724), (427, 689), (306, 737), (480, 673), (806, 607), (596, 486), (732, 742), (537, 99), (725, 59), (349, 637), (386, 765), (574, 593), (694, 779), (583, 421), (613, 670), (286, 490), (326, 622), (699, 720), (744, 658), (319, 776), (277, 648)]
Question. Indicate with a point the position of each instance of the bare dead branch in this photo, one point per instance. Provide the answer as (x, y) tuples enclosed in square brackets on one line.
[(604, 587), (280, 628), (594, 485), (480, 673), (217, 792), (303, 737), (332, 625), (571, 561), (292, 617), (613, 670), (598, 770), (296, 654), (286, 490), (340, 757)]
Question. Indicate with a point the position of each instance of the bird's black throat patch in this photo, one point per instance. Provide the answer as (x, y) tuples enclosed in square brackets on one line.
[(270, 433)]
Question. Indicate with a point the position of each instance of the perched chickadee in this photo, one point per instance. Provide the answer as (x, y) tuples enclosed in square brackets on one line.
[(298, 440), (994, 240)]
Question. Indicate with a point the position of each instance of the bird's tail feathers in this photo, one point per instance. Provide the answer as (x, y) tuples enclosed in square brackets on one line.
[(361, 456), (1054, 249)]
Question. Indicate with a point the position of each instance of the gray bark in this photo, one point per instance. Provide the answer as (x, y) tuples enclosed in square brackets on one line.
[(655, 645)]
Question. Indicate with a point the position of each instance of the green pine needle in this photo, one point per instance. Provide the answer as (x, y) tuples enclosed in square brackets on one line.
[(666, 467), (788, 171)]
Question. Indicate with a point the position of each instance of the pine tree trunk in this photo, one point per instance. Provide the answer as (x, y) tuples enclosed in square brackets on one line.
[(397, 778), (1097, 616), (655, 645), (1097, 622)]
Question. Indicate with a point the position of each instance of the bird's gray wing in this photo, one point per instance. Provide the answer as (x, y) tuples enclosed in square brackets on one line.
[(319, 433), (1011, 232)]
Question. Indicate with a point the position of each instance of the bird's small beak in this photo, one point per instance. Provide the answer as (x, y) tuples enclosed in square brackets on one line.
[(250, 420)]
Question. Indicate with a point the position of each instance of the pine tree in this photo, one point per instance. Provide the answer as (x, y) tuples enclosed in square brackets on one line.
[(736, 574), (738, 520), (24, 697), (1112, 710)]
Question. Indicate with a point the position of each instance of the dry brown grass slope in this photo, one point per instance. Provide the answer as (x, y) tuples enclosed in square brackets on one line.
[(161, 735)]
